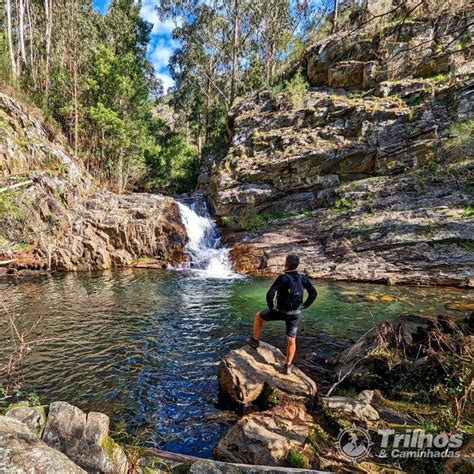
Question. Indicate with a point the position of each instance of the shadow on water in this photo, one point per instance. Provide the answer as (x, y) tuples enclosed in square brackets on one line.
[(143, 346)]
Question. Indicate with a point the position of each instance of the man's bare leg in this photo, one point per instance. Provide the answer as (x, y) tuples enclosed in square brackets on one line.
[(257, 326), (254, 341), (290, 349)]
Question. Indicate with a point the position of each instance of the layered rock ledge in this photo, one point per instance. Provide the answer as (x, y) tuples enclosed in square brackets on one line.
[(363, 187), (55, 217)]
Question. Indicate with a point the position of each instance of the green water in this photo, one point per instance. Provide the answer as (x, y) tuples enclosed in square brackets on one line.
[(143, 346)]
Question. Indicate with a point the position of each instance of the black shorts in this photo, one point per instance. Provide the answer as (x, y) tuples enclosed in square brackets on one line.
[(291, 320)]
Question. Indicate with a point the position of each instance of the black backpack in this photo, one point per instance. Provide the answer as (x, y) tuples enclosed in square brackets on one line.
[(295, 293)]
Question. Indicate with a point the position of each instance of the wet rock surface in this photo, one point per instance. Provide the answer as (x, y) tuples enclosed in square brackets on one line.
[(246, 372)]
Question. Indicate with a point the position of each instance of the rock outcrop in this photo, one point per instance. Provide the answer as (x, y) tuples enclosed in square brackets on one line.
[(84, 438), (53, 216), (245, 373), (266, 438), (350, 408), (364, 185), (113, 230), (22, 452), (413, 48)]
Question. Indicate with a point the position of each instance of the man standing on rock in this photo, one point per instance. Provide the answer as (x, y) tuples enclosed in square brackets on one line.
[(289, 288)]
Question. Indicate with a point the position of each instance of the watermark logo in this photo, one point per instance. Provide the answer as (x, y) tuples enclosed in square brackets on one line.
[(354, 443), (419, 444)]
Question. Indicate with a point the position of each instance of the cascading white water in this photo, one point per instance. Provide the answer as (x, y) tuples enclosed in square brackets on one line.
[(207, 257)]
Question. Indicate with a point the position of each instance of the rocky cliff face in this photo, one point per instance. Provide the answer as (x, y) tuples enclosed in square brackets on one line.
[(369, 185), (365, 56), (53, 215)]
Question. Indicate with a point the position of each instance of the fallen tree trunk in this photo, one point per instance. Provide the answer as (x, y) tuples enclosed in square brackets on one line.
[(175, 457)]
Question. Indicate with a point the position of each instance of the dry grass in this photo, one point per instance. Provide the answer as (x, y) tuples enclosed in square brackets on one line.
[(17, 348)]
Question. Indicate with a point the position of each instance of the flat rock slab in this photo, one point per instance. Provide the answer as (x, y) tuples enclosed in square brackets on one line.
[(360, 410), (245, 372), (266, 438), (22, 452)]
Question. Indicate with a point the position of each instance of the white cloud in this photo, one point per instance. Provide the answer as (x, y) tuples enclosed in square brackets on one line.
[(166, 79), (160, 27), (160, 55)]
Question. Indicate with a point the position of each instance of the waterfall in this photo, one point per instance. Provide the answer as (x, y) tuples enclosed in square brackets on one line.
[(207, 258)]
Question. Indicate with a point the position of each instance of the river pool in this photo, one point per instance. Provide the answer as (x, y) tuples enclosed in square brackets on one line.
[(143, 346)]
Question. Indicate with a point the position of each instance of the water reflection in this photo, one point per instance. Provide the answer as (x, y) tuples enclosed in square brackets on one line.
[(143, 346)]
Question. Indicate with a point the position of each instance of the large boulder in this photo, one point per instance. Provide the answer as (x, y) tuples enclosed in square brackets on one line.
[(22, 452), (244, 373), (84, 439), (266, 438)]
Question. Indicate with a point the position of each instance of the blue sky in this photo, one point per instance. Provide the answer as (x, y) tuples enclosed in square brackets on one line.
[(161, 45)]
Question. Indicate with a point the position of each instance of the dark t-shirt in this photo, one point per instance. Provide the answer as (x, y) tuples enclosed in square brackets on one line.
[(281, 286)]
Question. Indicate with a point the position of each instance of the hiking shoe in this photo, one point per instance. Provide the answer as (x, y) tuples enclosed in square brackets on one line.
[(254, 343), (288, 369)]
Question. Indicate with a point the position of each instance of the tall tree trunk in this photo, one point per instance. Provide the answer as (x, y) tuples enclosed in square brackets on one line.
[(31, 46), (10, 38), (334, 16), (76, 112), (48, 9), (235, 53), (21, 16)]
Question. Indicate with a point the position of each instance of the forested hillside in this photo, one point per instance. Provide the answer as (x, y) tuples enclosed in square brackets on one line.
[(89, 74)]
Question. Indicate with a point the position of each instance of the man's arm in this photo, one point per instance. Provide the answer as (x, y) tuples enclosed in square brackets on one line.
[(312, 293), (273, 289)]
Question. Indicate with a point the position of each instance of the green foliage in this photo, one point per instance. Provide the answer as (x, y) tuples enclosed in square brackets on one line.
[(173, 167), (297, 86), (467, 212), (461, 133), (354, 95), (277, 88), (295, 459), (5, 70), (255, 221), (8, 206), (26, 396), (253, 79), (343, 204)]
